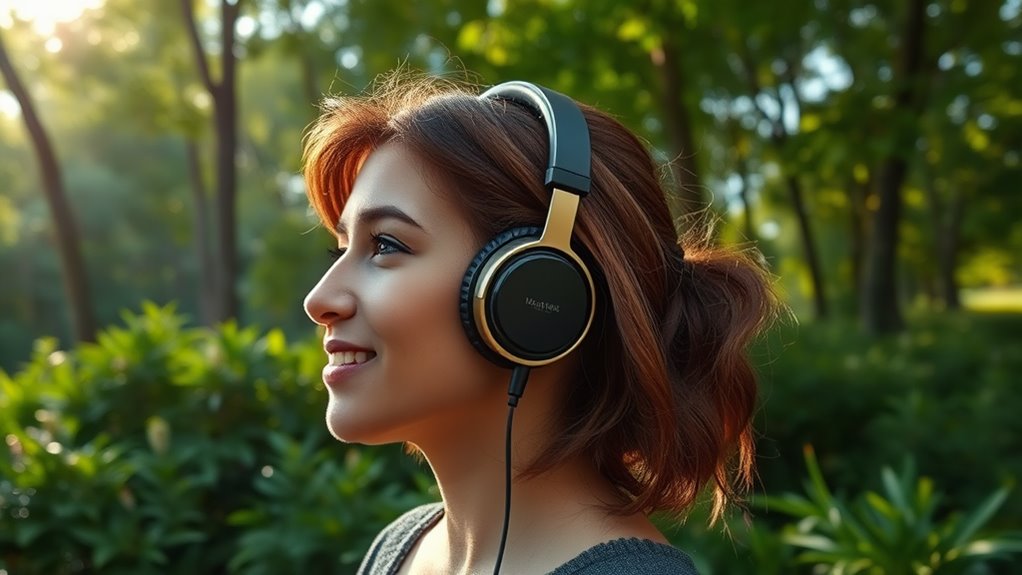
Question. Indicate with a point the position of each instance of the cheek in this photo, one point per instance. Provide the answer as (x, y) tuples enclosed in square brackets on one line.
[(420, 331), (422, 335)]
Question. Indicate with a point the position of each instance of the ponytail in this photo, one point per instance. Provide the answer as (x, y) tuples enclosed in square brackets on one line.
[(722, 302)]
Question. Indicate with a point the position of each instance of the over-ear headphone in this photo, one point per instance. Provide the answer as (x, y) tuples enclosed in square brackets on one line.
[(527, 298)]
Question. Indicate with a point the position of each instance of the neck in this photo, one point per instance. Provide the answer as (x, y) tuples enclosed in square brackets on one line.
[(469, 469)]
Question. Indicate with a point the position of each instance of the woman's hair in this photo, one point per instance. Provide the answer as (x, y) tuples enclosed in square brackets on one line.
[(665, 395)]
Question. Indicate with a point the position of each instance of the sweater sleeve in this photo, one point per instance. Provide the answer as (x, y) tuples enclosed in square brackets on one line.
[(391, 546), (629, 557)]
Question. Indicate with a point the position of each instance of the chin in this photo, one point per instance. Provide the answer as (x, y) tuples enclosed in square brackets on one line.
[(351, 429)]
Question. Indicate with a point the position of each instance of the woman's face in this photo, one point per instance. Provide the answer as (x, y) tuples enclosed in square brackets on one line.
[(400, 365)]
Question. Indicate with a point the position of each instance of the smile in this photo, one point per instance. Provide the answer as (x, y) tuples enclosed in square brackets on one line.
[(351, 357)]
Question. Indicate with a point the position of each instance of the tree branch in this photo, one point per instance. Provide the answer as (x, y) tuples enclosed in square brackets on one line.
[(777, 131), (200, 54), (780, 131), (65, 228), (790, 75)]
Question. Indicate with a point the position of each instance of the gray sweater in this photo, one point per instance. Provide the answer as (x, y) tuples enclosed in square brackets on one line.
[(620, 557)]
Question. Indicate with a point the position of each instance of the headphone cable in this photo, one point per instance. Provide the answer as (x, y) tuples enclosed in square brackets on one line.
[(515, 389)]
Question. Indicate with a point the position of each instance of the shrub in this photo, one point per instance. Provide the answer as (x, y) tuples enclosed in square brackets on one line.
[(162, 449), (898, 532), (166, 449), (944, 391)]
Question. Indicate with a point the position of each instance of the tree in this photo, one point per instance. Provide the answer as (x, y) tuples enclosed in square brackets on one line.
[(76, 282), (225, 119), (766, 53), (880, 310)]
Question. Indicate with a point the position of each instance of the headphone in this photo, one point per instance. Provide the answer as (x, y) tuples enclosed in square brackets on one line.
[(527, 299)]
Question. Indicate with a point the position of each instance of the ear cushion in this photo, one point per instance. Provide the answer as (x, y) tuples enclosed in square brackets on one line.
[(468, 284)]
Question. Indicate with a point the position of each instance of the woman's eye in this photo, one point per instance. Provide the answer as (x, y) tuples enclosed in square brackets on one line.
[(383, 245)]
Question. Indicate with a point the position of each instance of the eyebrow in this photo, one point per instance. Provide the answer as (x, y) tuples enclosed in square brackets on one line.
[(377, 213)]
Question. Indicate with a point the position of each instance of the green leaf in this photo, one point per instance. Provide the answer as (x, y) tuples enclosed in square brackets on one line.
[(794, 505), (898, 492), (992, 547), (978, 518), (102, 554), (817, 542), (819, 490), (27, 532)]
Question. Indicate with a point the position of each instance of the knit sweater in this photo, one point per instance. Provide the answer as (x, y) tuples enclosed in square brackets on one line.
[(631, 556)]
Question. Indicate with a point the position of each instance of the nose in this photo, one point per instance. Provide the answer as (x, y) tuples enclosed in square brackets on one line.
[(330, 300)]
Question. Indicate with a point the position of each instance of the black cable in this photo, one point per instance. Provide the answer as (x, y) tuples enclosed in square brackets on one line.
[(516, 387), (507, 488)]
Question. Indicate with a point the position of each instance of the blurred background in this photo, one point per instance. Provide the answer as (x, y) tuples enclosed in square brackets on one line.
[(160, 400)]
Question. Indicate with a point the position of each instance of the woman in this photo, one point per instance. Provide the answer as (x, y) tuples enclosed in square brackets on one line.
[(648, 400)]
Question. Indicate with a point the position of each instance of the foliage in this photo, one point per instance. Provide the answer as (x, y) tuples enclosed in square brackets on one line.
[(231, 408), (946, 392), (164, 449), (119, 91), (741, 545), (902, 530), (169, 449)]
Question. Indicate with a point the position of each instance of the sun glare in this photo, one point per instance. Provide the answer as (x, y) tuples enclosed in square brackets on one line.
[(8, 105), (45, 15)]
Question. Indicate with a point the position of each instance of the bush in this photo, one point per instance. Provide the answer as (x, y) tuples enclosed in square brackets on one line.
[(944, 391), (900, 531), (166, 449), (162, 449)]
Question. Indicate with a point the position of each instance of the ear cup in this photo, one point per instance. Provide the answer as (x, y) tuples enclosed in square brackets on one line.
[(537, 302), (468, 284)]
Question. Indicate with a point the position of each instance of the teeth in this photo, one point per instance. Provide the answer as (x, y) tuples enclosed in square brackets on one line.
[(350, 357)]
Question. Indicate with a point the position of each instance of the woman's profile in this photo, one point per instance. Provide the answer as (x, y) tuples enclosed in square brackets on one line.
[(472, 251)]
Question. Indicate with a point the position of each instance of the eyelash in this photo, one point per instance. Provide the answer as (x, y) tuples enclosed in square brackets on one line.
[(378, 241)]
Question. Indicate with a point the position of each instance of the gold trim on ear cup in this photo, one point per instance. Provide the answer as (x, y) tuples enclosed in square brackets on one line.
[(560, 220), (557, 236)]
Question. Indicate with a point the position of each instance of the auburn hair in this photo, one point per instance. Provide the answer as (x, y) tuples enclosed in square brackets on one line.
[(665, 395)]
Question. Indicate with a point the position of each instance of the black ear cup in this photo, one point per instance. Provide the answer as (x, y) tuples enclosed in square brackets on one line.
[(468, 284), (537, 301)]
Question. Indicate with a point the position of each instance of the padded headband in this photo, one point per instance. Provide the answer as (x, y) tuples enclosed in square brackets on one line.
[(568, 168)]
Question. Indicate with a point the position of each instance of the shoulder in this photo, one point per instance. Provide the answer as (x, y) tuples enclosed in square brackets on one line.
[(629, 557), (395, 541)]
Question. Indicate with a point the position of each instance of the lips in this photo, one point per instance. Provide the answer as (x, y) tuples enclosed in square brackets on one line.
[(336, 345), (345, 359), (335, 375)]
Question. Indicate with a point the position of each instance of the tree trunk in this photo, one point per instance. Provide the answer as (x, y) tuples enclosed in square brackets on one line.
[(748, 222), (880, 308), (950, 240), (208, 270), (678, 122), (808, 246), (226, 112), (881, 312), (857, 224), (76, 281), (779, 137), (947, 223), (225, 122), (736, 143)]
